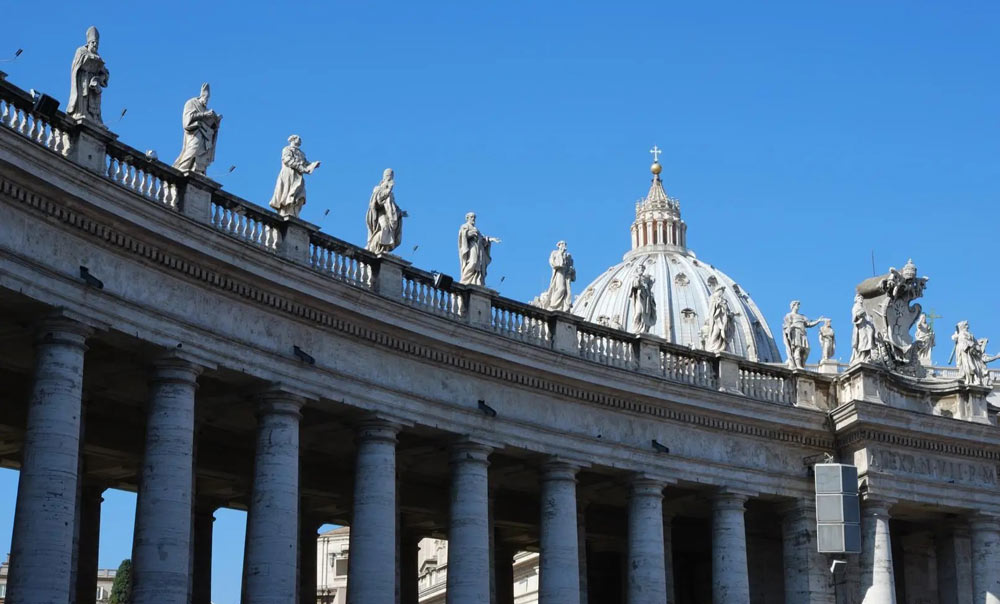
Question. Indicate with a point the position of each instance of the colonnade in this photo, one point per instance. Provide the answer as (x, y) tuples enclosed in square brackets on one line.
[(54, 539)]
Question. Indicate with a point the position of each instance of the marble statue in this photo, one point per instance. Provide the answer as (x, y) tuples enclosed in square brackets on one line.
[(201, 130), (717, 332), (384, 218), (290, 190), (970, 356), (863, 335), (924, 337), (88, 77), (643, 303), (473, 252), (827, 341), (558, 296), (794, 330), (888, 300)]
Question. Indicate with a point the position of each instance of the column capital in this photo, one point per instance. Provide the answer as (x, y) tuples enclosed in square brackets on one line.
[(873, 506), (641, 485), (466, 449), (278, 401), (984, 522), (559, 469), (730, 499), (377, 428), (62, 327), (177, 367), (797, 509)]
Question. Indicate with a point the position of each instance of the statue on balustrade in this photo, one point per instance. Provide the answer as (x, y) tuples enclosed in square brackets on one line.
[(888, 301), (473, 252), (719, 326), (863, 336), (89, 77), (558, 296), (290, 190), (925, 339), (201, 130), (643, 303), (384, 218), (970, 356), (827, 341), (794, 330)]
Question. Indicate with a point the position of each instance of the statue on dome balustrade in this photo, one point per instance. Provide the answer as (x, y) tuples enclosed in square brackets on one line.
[(795, 332), (719, 326), (863, 335), (827, 341), (970, 356), (643, 302), (888, 301), (925, 339), (88, 77), (473, 252), (558, 296), (290, 190), (201, 131), (384, 218)]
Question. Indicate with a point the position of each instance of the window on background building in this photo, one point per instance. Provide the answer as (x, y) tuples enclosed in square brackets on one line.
[(3, 590), (341, 568), (100, 593), (331, 558)]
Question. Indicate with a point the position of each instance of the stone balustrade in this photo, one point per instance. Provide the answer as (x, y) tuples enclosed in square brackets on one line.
[(388, 276), (17, 114), (150, 178)]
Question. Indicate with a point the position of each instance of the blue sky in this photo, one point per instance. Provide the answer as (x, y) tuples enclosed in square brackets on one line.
[(800, 137)]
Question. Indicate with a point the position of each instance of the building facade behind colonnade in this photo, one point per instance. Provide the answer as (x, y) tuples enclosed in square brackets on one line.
[(165, 336)]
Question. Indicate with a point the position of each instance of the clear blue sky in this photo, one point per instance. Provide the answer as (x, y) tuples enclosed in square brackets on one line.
[(800, 137)]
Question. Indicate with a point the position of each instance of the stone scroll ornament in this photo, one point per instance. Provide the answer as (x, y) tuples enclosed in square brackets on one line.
[(795, 333), (473, 252), (384, 218), (201, 131), (886, 303), (290, 190), (89, 77), (558, 296)]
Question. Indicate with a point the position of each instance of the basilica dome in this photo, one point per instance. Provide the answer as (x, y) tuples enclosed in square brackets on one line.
[(682, 284)]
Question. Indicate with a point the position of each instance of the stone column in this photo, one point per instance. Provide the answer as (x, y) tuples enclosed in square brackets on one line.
[(985, 532), (201, 577), (647, 580), (730, 579), (89, 542), (409, 579), (468, 527), (372, 567), (877, 583), (308, 541), (161, 547), (581, 539), (504, 570), (807, 577), (559, 568), (41, 553), (954, 558), (273, 521)]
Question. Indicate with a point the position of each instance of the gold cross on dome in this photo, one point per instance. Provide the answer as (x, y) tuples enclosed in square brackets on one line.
[(656, 151)]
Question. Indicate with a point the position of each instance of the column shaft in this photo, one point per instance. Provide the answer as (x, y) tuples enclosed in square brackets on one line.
[(372, 565), (504, 569), (730, 579), (581, 538), (668, 555), (807, 579), (647, 581), (985, 532), (41, 554), (877, 582), (559, 568), (308, 541), (409, 579), (161, 547), (469, 527), (89, 543), (273, 521), (201, 577)]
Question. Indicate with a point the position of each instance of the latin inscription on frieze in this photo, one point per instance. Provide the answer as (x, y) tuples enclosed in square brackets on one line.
[(934, 468)]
